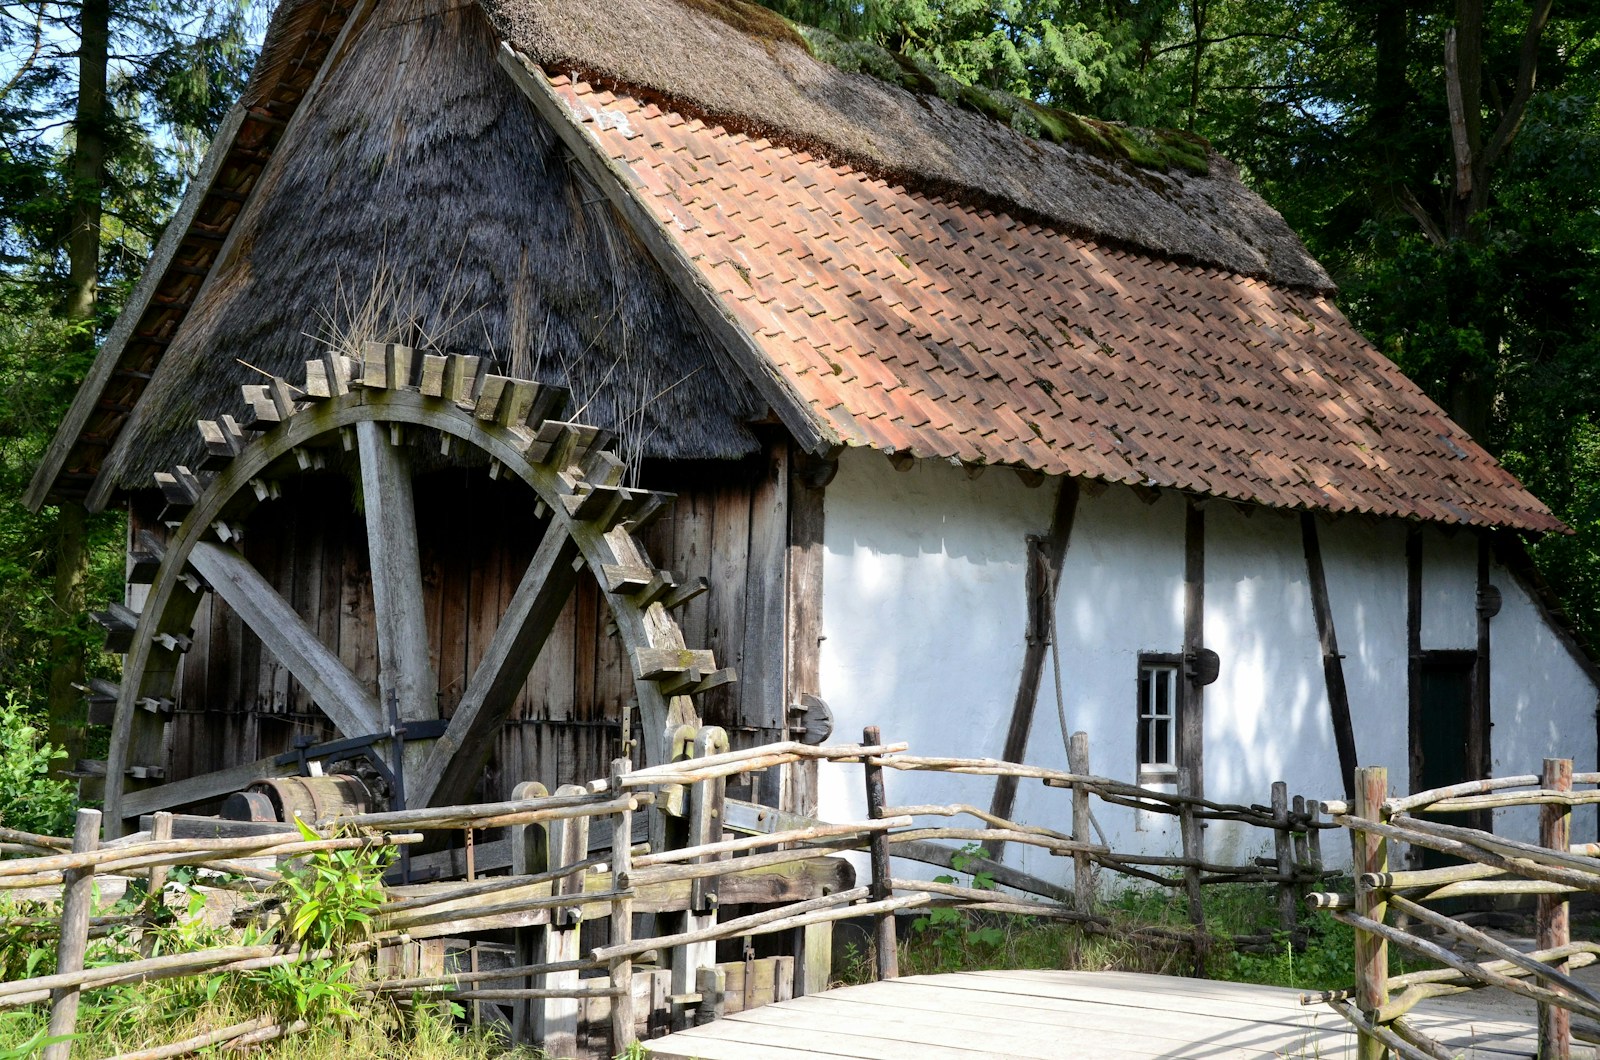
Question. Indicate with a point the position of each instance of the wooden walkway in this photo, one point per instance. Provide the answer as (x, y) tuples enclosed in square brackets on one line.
[(1101, 1015)]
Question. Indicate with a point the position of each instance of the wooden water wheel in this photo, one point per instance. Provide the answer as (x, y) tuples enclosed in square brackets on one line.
[(374, 409)]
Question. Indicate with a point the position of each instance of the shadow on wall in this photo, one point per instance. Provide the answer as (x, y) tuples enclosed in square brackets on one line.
[(924, 610)]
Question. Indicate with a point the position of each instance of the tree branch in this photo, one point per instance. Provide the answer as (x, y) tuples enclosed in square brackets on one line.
[(1527, 77), (33, 55), (1208, 41), (1408, 202)]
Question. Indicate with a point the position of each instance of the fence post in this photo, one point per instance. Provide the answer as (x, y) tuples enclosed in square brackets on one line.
[(1193, 848), (530, 853), (1283, 844), (621, 970), (160, 830), (1554, 920), (888, 952), (1370, 853), (1302, 844), (1082, 870), (706, 799), (77, 895), (555, 1022)]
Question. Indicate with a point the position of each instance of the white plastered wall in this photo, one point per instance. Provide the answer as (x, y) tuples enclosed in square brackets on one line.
[(1537, 695), (924, 616)]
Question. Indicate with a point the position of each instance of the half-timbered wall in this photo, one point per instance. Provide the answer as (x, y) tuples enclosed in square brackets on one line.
[(237, 703), (925, 615)]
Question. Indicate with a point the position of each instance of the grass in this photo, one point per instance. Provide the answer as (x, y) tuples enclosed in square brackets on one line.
[(329, 901), (113, 1025), (952, 942)]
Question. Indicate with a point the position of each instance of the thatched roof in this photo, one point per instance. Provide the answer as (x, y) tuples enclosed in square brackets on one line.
[(438, 210), (721, 60)]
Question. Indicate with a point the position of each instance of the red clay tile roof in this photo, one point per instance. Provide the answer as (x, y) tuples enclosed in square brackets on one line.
[(912, 324)]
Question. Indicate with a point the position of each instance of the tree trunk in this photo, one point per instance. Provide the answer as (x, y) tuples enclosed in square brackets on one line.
[(83, 271), (88, 160), (66, 651)]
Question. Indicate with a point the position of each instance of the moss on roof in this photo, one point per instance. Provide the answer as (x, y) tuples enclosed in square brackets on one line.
[(733, 65), (1158, 149)]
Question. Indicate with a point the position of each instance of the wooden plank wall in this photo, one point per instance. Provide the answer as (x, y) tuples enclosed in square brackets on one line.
[(730, 525)]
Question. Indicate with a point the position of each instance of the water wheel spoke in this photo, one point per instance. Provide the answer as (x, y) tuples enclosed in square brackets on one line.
[(342, 697), (456, 758), (592, 525), (401, 618)]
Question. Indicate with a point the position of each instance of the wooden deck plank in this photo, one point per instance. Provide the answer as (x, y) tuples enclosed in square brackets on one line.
[(1034, 1015), (808, 1042), (1000, 1034), (1134, 996), (940, 1016), (1085, 1017), (1166, 984), (696, 1045)]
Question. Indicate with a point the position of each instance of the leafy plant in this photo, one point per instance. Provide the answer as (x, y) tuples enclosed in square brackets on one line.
[(332, 898), (950, 929), (30, 799), (315, 989)]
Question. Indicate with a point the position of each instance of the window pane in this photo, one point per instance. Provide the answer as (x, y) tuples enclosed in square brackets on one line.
[(1157, 713)]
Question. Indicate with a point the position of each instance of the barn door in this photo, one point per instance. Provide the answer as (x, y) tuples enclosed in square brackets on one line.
[(1441, 744)]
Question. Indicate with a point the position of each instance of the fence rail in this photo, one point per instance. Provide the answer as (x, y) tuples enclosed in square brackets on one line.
[(711, 870), (1385, 903)]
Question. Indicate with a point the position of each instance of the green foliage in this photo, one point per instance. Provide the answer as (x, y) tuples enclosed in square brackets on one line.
[(332, 897), (634, 1051), (30, 800), (173, 69), (922, 73), (1321, 959), (42, 359)]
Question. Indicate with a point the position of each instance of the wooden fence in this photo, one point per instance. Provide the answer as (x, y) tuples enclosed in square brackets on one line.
[(1389, 905), (617, 893)]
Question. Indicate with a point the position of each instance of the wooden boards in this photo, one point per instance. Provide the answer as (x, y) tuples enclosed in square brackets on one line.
[(541, 595), (336, 690), (1110, 1015)]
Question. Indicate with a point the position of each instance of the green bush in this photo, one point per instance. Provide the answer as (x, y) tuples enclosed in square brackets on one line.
[(30, 799)]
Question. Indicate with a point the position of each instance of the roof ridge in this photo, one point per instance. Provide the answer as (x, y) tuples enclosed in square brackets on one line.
[(973, 146)]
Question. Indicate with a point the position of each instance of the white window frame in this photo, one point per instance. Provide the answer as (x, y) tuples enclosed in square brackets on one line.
[(1156, 669)]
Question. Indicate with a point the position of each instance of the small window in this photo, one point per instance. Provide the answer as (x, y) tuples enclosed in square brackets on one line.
[(1158, 715)]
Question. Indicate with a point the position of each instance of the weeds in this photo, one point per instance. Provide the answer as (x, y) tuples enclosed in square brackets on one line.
[(30, 800), (330, 900), (327, 901), (951, 940)]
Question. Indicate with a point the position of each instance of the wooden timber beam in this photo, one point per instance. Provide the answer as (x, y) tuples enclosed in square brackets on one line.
[(1414, 653), (342, 697), (1344, 733), (1045, 557), (206, 786), (394, 554), (1191, 695)]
